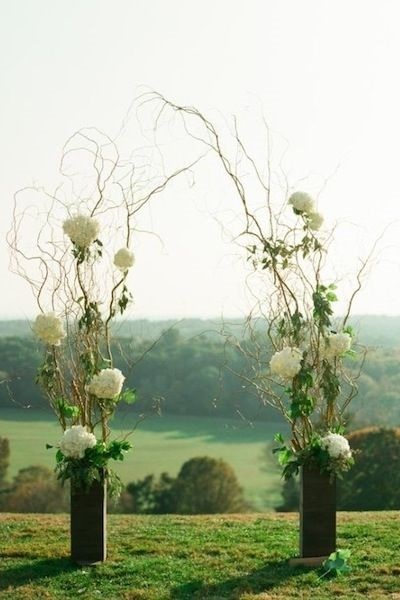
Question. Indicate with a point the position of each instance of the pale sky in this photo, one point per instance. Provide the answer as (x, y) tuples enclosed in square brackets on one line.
[(325, 73)]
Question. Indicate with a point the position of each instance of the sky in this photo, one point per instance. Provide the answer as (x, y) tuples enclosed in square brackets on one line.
[(323, 72)]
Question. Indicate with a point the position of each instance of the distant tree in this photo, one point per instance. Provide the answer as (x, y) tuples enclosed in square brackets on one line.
[(148, 495), (4, 464), (374, 481), (140, 496), (197, 375), (206, 486), (290, 496), (4, 459), (36, 490), (20, 358)]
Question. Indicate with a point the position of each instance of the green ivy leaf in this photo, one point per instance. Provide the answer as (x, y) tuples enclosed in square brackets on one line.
[(350, 330), (284, 456), (352, 354), (59, 456), (331, 297), (291, 469), (67, 410), (128, 396), (336, 563)]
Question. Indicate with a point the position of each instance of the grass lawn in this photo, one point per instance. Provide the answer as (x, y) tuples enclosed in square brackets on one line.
[(160, 444), (240, 557)]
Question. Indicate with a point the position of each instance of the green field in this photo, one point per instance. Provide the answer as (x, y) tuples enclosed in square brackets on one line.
[(160, 444), (235, 557)]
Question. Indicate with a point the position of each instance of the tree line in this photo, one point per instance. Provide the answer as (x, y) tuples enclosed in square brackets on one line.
[(196, 376), (199, 376)]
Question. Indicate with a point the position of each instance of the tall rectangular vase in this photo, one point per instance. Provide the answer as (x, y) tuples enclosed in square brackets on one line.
[(317, 514), (89, 523)]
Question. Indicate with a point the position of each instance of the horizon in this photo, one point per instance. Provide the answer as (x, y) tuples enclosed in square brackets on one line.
[(204, 318)]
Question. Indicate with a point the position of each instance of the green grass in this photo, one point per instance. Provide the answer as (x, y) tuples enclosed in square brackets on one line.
[(160, 444), (194, 558)]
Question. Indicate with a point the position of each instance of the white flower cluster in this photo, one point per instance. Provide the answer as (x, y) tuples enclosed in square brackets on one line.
[(81, 230), (124, 259), (337, 344), (107, 384), (315, 221), (75, 441), (303, 203), (49, 329), (336, 445), (286, 362)]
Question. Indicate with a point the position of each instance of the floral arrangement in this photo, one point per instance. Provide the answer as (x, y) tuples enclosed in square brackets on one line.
[(306, 368), (296, 350), (73, 247), (85, 391)]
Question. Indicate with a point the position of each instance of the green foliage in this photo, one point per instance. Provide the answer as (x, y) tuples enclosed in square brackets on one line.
[(204, 485), (35, 490), (286, 457), (194, 376), (91, 317), (124, 299), (67, 410), (89, 364), (149, 495), (93, 466), (4, 459), (47, 373), (336, 563), (86, 254), (317, 382), (128, 396), (323, 297), (374, 481), (290, 496), (302, 402), (314, 454), (330, 383), (190, 375), (301, 331)]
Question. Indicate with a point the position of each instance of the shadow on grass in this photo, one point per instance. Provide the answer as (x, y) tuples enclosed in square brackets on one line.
[(212, 429), (269, 576), (34, 571), (175, 427)]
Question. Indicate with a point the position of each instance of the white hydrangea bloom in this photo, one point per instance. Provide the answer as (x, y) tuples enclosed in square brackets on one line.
[(337, 445), (124, 259), (286, 362), (81, 230), (107, 384), (75, 441), (303, 202), (315, 221), (49, 328), (337, 344)]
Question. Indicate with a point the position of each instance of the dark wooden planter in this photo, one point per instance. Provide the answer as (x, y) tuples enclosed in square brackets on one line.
[(89, 524), (317, 514)]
